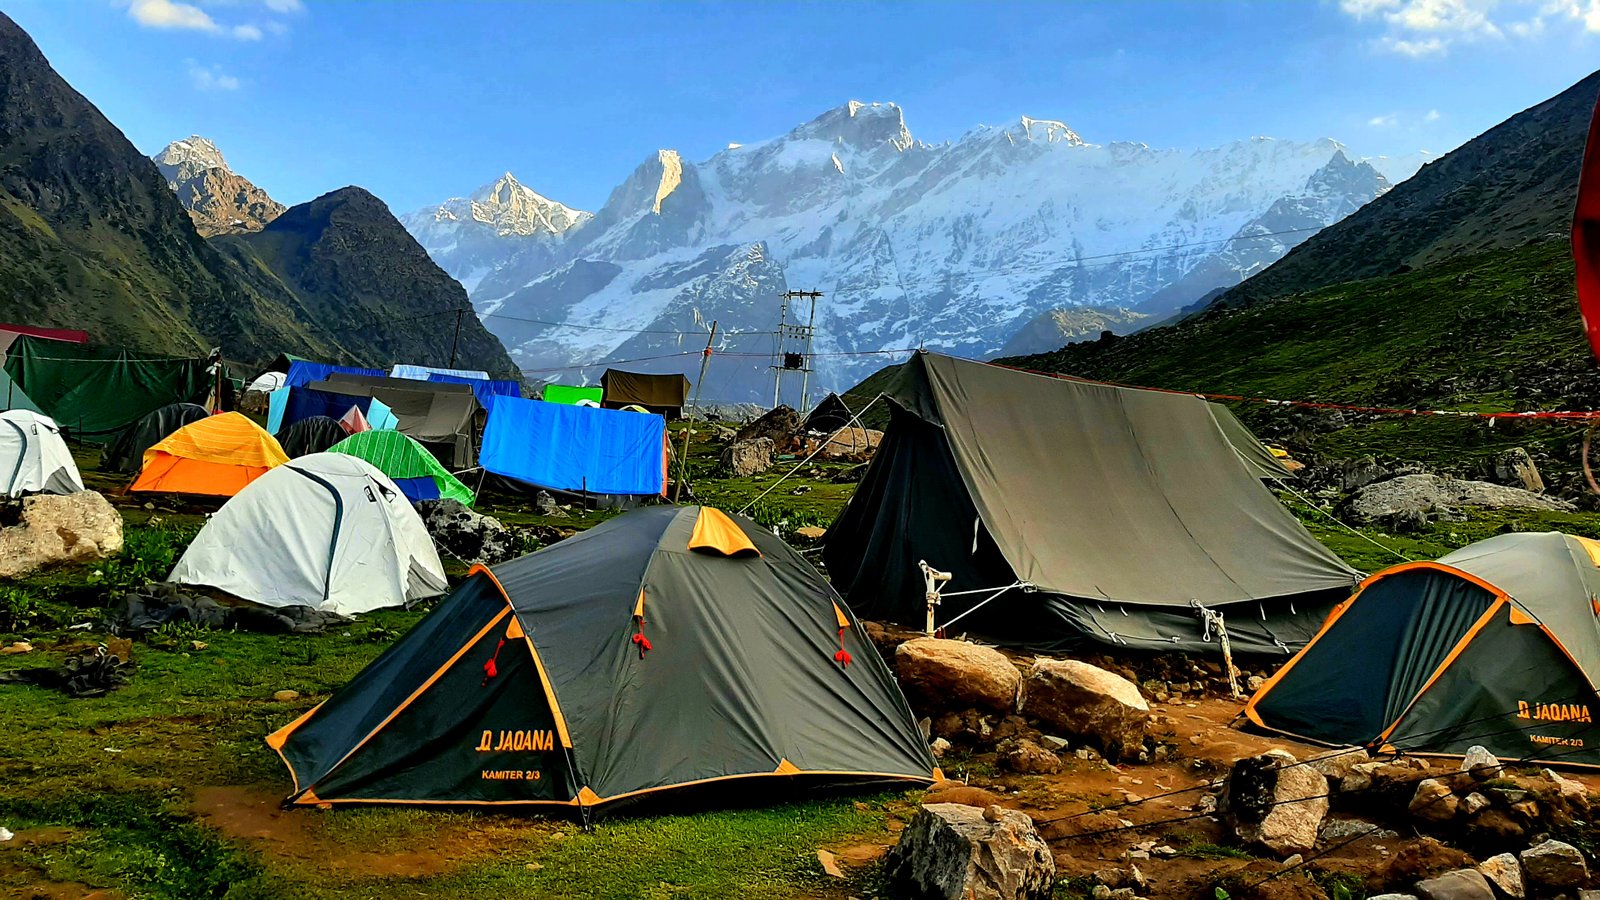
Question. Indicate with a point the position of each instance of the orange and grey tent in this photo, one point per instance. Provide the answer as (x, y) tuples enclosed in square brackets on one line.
[(671, 648), (217, 455), (1496, 644)]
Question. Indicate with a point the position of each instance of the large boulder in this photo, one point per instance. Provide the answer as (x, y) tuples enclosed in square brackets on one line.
[(58, 528), (955, 852), (1438, 497), (782, 426), (940, 674), (748, 457), (1554, 864), (1434, 802), (1099, 707), (468, 536), (1024, 757), (1272, 802), (1462, 884)]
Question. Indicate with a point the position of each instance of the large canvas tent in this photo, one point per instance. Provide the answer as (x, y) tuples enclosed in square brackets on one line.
[(413, 468), (1495, 644), (95, 392), (576, 448), (327, 531), (441, 416), (1113, 515), (668, 648), (125, 455), (217, 455), (663, 394), (33, 457)]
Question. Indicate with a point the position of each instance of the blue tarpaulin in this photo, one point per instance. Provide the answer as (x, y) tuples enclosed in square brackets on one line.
[(482, 388), (303, 403), (303, 372), (575, 448)]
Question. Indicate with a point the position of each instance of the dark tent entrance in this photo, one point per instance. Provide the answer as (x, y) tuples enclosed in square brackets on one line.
[(668, 648), (1433, 658), (1073, 513)]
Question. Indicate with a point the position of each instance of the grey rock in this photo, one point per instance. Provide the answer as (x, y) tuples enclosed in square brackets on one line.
[(1337, 831), (1516, 468), (1554, 864), (750, 457), (1024, 757), (1462, 884), (468, 536), (1481, 763), (955, 852), (1276, 804), (1505, 873), (547, 506), (59, 528), (1440, 497)]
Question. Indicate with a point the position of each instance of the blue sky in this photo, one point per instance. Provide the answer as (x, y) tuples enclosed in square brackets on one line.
[(421, 101)]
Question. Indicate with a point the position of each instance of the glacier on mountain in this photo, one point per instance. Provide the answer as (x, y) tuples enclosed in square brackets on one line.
[(957, 246)]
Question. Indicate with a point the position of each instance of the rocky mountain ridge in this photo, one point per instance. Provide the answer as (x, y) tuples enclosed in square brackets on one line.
[(219, 200)]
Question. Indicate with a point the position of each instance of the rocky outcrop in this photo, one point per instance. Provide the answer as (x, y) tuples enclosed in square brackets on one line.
[(1272, 802), (748, 457), (1504, 872), (940, 674), (218, 200), (59, 528), (956, 852), (782, 426), (468, 536), (1077, 699), (1516, 468), (1434, 497)]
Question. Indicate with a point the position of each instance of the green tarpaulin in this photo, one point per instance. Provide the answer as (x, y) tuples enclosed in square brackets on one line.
[(95, 392), (569, 395), (402, 459)]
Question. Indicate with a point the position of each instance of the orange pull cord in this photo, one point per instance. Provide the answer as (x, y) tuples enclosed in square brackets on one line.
[(639, 639)]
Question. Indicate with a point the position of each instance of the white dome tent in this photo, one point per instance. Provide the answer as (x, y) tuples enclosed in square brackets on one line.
[(327, 530), (33, 456)]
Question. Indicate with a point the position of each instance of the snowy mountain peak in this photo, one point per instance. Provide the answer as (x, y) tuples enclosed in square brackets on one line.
[(194, 154), (1047, 130), (862, 126), (512, 208)]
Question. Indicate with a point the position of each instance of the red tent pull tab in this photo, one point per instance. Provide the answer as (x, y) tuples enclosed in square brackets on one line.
[(490, 669), (642, 641), (843, 656)]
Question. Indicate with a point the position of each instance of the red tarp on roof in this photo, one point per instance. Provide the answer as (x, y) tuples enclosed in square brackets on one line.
[(70, 335)]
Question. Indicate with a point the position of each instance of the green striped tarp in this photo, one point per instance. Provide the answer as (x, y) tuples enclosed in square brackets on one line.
[(398, 456)]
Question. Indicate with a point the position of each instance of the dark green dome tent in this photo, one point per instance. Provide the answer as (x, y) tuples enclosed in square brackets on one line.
[(313, 434), (1108, 514), (1495, 644), (126, 453), (668, 648)]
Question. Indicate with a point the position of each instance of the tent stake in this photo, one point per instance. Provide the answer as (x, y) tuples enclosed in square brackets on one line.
[(932, 578)]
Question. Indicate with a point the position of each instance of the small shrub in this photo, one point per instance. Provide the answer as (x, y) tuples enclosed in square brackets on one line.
[(18, 609)]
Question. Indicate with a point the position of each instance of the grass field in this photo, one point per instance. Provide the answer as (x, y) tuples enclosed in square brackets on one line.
[(147, 792)]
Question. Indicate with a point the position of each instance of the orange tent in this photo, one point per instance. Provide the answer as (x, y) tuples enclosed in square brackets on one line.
[(217, 455)]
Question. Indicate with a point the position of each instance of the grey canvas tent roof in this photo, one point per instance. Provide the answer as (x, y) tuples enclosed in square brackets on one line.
[(1495, 644), (1122, 509), (440, 416)]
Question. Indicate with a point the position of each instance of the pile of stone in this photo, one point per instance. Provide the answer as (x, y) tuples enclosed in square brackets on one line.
[(468, 536)]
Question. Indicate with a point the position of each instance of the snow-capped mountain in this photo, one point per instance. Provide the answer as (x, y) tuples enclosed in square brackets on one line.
[(955, 246), (219, 200), (469, 236)]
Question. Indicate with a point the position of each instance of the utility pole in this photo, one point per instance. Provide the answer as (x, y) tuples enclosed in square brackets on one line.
[(793, 349), (683, 458), (457, 339)]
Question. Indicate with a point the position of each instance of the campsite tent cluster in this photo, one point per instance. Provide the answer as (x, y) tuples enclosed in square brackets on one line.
[(682, 647)]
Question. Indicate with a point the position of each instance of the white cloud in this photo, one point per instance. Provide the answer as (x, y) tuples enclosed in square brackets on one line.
[(211, 78), (1384, 121), (174, 14), (1424, 28), (170, 14), (1432, 115)]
